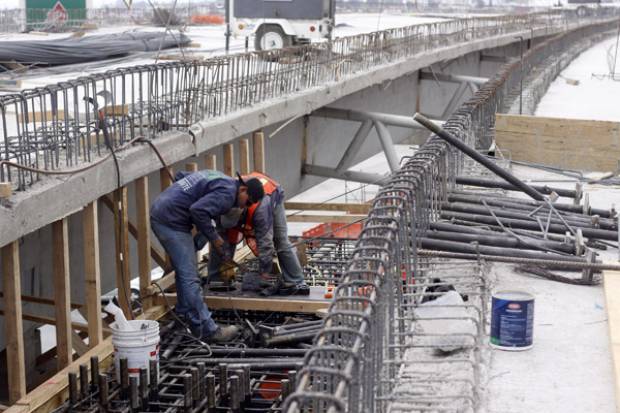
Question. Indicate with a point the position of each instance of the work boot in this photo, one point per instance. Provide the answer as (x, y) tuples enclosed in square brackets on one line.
[(223, 334), (294, 289)]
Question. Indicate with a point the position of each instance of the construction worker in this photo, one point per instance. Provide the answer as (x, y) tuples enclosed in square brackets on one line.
[(263, 226), (197, 199)]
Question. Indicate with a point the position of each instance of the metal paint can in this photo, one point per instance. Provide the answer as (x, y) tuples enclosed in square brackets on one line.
[(512, 320)]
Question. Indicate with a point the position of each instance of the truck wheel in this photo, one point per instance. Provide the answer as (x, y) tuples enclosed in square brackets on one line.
[(270, 37), (582, 11)]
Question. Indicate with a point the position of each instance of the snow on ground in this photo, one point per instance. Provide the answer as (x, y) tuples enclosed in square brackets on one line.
[(595, 97)]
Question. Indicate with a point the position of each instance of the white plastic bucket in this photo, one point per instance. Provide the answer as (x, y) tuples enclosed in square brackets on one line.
[(138, 345)]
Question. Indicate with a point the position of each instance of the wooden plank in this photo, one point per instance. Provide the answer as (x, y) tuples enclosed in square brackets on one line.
[(211, 161), (191, 167), (335, 206), (45, 301), (52, 322), (244, 156), (78, 344), (144, 233), (291, 304), (92, 274), (13, 326), (157, 255), (258, 150), (611, 284), (229, 159), (344, 219), (62, 291), (164, 282), (165, 179), (564, 143), (54, 391), (6, 190), (121, 236)]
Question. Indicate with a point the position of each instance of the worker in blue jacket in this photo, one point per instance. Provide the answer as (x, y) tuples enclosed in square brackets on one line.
[(197, 199), (264, 228)]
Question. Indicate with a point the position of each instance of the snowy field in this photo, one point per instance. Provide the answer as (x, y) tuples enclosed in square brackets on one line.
[(595, 97)]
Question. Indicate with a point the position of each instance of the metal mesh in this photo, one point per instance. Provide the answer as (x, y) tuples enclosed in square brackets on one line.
[(371, 355)]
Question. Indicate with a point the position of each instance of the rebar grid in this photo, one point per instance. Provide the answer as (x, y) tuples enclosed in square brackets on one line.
[(60, 126), (360, 356)]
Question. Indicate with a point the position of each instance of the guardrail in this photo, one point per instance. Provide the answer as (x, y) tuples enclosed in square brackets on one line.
[(360, 355), (65, 125)]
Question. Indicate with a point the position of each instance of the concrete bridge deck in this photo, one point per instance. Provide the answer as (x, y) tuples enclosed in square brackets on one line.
[(386, 59)]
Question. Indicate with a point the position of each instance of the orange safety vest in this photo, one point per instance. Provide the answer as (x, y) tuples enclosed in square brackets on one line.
[(245, 230)]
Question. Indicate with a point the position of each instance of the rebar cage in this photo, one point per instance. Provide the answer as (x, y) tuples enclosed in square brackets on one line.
[(373, 355)]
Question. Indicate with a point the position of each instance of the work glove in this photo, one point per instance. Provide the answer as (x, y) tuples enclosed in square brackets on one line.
[(200, 241)]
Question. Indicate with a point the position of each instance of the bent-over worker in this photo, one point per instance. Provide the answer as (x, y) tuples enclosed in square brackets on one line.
[(263, 226), (197, 199)]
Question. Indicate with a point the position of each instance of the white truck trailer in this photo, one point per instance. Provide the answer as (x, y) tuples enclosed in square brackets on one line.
[(281, 23)]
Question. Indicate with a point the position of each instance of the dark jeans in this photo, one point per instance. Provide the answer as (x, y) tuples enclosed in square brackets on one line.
[(179, 245)]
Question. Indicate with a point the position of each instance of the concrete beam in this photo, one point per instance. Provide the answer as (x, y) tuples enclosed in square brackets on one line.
[(41, 204), (362, 115), (446, 77), (354, 176)]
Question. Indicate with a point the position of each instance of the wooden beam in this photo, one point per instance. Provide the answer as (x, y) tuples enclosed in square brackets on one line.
[(229, 159), (611, 284), (13, 326), (54, 391), (564, 143), (335, 206), (158, 256), (92, 273), (44, 301), (62, 291), (244, 156), (40, 319), (191, 167), (165, 177), (6, 190), (211, 161), (344, 219), (164, 282), (121, 236), (258, 150), (144, 234), (78, 344), (292, 304)]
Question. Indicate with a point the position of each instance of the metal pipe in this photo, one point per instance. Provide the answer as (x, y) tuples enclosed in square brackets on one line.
[(525, 204), (388, 146), (578, 221), (472, 153), (515, 260), (354, 176), (453, 246), (354, 146), (84, 385), (500, 241), (74, 395), (521, 224), (489, 183), (361, 116)]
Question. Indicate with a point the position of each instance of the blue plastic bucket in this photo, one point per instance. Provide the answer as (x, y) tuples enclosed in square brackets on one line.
[(512, 320)]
